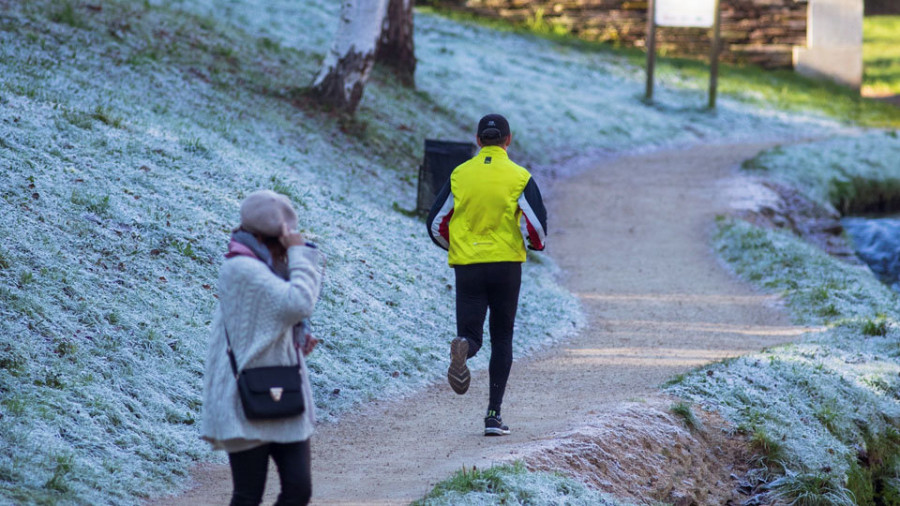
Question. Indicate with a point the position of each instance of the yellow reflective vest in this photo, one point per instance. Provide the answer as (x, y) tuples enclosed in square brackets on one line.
[(477, 216)]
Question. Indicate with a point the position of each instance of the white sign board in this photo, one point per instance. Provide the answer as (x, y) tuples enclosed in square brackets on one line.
[(685, 13)]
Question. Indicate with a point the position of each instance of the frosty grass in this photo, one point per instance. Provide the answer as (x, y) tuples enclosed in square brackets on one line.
[(813, 408), (129, 135)]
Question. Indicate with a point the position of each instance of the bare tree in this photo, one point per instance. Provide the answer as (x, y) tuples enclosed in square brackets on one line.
[(347, 65), (395, 45)]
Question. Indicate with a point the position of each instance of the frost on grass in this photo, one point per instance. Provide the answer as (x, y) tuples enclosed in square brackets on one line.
[(122, 170), (561, 101), (129, 135), (814, 409), (512, 484), (817, 287), (858, 173)]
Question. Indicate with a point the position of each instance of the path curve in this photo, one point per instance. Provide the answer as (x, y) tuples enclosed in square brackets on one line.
[(632, 236)]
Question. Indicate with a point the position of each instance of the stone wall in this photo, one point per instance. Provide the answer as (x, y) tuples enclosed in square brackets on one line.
[(881, 7), (755, 31)]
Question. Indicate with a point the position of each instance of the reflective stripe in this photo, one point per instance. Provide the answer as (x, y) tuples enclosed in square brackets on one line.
[(532, 230), (439, 225)]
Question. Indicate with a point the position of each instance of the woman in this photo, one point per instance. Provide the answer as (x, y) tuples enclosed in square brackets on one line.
[(267, 286)]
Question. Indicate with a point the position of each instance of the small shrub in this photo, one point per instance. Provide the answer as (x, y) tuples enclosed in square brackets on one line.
[(186, 249), (267, 44), (93, 203), (53, 380), (827, 415), (771, 449), (14, 406), (62, 468), (66, 15), (877, 326), (12, 361), (675, 380), (25, 278), (289, 190), (113, 318), (223, 52), (65, 347), (684, 410), (105, 116), (829, 310), (811, 489), (819, 294), (754, 164), (475, 480), (78, 119), (194, 145)]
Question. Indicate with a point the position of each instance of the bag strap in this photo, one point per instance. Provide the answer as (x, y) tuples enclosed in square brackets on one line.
[(233, 361), (230, 353)]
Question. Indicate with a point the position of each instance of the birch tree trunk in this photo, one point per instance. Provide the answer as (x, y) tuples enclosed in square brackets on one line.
[(395, 46), (347, 65)]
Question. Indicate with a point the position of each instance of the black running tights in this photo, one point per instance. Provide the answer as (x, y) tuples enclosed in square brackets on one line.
[(494, 287), (249, 469)]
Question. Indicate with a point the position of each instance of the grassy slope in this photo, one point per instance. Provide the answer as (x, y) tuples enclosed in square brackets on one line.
[(881, 55), (129, 136), (835, 391), (852, 173), (781, 89)]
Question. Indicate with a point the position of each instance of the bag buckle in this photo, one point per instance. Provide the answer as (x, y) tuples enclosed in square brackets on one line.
[(276, 392)]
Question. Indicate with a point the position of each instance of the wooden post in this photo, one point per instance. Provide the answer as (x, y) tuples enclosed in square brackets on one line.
[(714, 56), (651, 47)]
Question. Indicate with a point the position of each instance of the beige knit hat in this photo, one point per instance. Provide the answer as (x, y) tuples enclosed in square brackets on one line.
[(264, 212)]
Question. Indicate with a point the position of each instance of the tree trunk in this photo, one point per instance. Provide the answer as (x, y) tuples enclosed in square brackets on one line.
[(347, 65), (395, 46)]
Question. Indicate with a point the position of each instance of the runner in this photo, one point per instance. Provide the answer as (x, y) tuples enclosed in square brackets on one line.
[(476, 217)]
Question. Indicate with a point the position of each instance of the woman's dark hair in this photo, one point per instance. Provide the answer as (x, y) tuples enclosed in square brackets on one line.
[(272, 243), (275, 246)]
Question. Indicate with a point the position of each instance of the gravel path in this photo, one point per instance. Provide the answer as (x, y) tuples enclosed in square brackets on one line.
[(632, 236)]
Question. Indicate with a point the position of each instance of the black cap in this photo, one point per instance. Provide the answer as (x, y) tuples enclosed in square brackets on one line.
[(493, 126)]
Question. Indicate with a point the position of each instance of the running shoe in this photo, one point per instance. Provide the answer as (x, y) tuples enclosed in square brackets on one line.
[(458, 374), (494, 426)]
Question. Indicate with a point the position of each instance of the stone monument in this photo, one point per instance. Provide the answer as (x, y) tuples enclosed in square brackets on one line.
[(834, 40)]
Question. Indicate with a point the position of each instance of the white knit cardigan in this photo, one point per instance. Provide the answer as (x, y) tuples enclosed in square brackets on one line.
[(259, 309)]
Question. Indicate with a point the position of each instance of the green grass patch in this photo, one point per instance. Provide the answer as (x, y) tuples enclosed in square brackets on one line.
[(781, 88), (768, 447), (821, 413), (68, 13), (511, 484), (855, 174), (881, 55), (812, 489), (107, 117), (477, 480), (818, 288), (684, 411), (877, 326)]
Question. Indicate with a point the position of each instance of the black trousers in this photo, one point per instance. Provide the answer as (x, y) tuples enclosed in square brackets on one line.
[(494, 287), (249, 469)]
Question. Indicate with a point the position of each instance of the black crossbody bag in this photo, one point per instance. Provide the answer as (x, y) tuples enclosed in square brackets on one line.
[(269, 392)]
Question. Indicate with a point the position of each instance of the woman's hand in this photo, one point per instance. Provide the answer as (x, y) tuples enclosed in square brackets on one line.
[(289, 238), (309, 345)]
